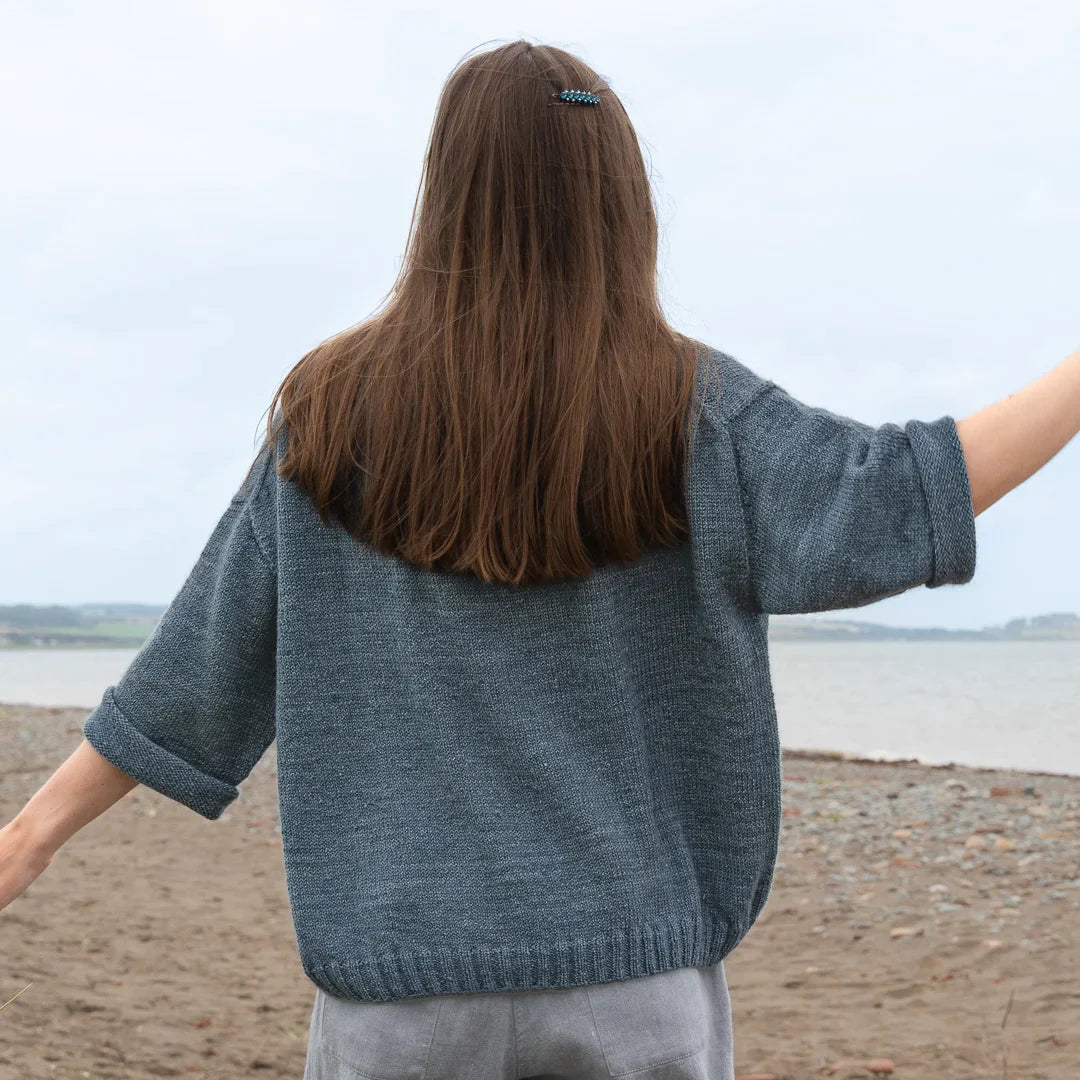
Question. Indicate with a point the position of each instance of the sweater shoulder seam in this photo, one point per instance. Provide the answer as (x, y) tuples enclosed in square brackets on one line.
[(255, 534), (761, 391), (261, 473)]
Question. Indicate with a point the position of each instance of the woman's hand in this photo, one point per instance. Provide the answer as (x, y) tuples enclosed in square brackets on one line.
[(21, 861)]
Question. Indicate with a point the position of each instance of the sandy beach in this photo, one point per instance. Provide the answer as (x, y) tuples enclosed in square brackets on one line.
[(924, 921)]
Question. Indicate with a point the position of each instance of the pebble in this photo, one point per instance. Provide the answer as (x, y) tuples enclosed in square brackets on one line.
[(905, 850)]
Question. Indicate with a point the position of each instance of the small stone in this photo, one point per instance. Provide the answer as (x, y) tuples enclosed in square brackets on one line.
[(1003, 843), (903, 860), (901, 834), (906, 931), (880, 1065), (975, 842)]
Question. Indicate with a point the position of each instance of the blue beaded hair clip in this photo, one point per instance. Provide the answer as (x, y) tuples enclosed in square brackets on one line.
[(575, 97)]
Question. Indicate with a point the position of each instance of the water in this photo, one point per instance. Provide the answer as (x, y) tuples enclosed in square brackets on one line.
[(1001, 704), (62, 677)]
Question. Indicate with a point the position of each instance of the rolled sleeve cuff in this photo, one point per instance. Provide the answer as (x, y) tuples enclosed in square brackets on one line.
[(117, 739), (939, 456)]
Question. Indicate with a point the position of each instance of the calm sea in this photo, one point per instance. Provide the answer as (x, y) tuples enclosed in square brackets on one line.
[(995, 703)]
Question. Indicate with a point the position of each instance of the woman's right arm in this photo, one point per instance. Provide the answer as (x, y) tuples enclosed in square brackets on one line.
[(840, 513), (1012, 439)]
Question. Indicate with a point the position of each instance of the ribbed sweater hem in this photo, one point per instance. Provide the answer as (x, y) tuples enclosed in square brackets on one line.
[(624, 953)]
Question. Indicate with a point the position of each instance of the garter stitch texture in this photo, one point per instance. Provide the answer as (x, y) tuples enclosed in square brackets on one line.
[(489, 788)]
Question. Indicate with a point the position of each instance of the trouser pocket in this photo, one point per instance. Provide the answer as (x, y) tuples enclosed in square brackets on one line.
[(651, 1020)]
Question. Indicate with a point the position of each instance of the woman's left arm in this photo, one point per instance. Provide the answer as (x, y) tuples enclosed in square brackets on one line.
[(82, 787)]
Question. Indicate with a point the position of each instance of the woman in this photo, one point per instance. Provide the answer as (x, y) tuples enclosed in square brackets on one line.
[(498, 583)]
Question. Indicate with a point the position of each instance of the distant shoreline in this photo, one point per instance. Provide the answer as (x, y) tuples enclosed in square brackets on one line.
[(867, 632), (127, 626), (1055, 626)]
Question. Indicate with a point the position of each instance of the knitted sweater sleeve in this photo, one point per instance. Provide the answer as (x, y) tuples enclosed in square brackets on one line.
[(195, 709), (842, 513)]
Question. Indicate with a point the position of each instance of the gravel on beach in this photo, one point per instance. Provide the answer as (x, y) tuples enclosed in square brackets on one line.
[(924, 921)]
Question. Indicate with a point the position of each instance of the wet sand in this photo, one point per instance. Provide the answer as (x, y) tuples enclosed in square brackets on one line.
[(925, 917)]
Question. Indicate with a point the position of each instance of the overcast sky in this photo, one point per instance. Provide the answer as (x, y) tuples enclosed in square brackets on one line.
[(875, 205)]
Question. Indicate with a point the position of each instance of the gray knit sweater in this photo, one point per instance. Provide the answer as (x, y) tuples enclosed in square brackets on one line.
[(485, 787)]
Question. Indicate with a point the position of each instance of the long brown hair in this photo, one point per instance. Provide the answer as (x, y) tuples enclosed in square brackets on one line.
[(517, 410)]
